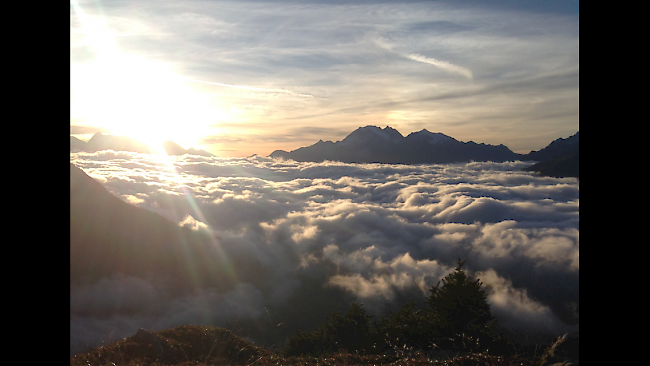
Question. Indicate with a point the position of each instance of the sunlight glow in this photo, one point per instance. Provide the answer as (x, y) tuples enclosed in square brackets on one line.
[(146, 100), (136, 97), (142, 99)]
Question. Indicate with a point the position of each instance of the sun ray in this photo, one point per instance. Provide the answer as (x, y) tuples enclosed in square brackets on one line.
[(146, 100)]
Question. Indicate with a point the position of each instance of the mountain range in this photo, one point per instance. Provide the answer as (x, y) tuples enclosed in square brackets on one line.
[(371, 144), (100, 142)]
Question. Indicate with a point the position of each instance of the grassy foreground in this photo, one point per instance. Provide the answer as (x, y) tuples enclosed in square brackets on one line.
[(200, 345)]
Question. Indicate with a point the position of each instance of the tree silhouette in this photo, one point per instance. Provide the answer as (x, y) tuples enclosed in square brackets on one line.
[(458, 318), (350, 332), (460, 311), (407, 327)]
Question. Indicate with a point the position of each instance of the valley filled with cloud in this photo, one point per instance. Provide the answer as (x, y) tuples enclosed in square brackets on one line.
[(291, 242)]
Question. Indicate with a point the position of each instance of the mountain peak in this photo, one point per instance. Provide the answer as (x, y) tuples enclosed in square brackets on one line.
[(96, 137), (430, 137), (373, 134), (172, 148), (555, 148)]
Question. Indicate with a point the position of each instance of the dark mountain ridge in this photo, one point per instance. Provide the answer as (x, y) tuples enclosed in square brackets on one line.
[(561, 158), (566, 164), (371, 144), (108, 235), (100, 142), (556, 148)]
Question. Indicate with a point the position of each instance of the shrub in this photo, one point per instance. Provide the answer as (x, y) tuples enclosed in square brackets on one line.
[(406, 328), (460, 312), (350, 332), (302, 343)]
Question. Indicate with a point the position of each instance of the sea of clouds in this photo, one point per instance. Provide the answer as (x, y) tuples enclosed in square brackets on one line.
[(304, 239)]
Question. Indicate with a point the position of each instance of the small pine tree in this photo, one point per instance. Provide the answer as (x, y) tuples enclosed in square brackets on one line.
[(460, 311), (350, 332), (408, 327)]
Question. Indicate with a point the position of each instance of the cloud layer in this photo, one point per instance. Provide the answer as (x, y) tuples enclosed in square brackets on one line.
[(304, 239)]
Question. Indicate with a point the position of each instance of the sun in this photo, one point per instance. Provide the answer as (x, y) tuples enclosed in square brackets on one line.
[(129, 95), (141, 99)]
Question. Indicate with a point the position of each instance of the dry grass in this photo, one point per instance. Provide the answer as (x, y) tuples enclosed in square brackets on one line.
[(183, 345), (199, 345), (411, 360)]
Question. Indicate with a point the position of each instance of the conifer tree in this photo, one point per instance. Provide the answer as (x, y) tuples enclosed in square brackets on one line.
[(350, 331), (408, 327), (460, 310)]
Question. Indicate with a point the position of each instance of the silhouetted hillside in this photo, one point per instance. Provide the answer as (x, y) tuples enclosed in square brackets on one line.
[(556, 148), (182, 345), (561, 158), (109, 236), (76, 144), (566, 164)]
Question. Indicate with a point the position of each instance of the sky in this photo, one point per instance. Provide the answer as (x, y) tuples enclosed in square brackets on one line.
[(304, 239), (249, 77)]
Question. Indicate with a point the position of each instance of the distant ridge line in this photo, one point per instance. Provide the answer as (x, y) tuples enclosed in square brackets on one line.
[(372, 144), (101, 142)]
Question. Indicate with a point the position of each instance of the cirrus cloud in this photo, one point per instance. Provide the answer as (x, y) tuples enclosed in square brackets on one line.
[(444, 65)]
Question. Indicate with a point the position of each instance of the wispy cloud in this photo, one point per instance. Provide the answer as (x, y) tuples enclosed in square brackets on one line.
[(444, 65), (264, 90)]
